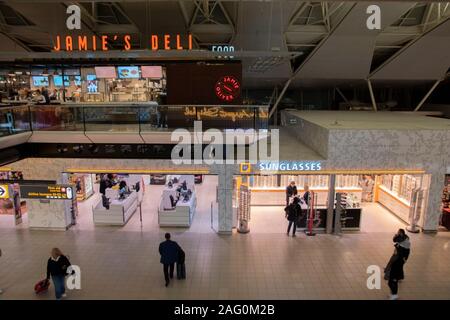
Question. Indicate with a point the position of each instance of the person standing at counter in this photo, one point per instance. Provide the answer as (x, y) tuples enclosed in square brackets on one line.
[(169, 255), (39, 98), (291, 191), (307, 195), (293, 212)]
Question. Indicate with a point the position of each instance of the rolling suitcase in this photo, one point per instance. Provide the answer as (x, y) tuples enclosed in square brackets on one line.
[(41, 286), (181, 271)]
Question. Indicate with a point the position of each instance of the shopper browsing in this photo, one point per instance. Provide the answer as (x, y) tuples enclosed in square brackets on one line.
[(57, 269), (293, 212), (169, 251), (291, 191), (307, 195)]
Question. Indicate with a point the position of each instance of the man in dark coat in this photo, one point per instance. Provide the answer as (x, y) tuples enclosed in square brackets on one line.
[(291, 190), (169, 255), (394, 274), (293, 211)]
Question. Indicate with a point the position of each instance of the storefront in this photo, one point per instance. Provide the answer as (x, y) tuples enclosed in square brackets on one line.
[(168, 198), (401, 193), (162, 82)]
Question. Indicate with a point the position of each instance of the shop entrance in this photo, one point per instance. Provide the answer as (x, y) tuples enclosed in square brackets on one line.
[(372, 202), (148, 200)]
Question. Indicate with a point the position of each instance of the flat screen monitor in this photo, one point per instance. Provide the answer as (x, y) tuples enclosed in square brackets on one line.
[(105, 72), (92, 84), (40, 81), (128, 72), (152, 72), (57, 80), (72, 72)]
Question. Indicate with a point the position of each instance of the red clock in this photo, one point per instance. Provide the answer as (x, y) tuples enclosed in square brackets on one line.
[(227, 88)]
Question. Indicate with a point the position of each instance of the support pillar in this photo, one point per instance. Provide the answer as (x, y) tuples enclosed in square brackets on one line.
[(331, 196), (432, 212), (225, 198)]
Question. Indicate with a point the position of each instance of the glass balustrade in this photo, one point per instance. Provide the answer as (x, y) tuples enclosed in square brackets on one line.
[(128, 118), (14, 120)]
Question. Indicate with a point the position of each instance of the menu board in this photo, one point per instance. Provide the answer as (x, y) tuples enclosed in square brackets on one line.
[(57, 80), (152, 72), (105, 72), (128, 72), (50, 192), (40, 81)]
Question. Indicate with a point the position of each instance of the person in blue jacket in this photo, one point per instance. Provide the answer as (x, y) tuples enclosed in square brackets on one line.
[(169, 255)]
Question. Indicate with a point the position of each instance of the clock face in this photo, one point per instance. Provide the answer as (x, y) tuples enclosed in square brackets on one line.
[(227, 88)]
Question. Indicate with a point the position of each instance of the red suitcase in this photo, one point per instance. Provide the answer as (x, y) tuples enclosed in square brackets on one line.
[(41, 286)]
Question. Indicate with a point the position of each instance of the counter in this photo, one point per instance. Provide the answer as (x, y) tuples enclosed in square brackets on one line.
[(180, 216), (120, 211), (398, 206), (352, 220), (277, 196)]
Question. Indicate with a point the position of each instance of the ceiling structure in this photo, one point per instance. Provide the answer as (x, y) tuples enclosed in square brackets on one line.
[(303, 42)]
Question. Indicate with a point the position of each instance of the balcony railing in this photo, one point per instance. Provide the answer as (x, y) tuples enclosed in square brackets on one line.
[(137, 118)]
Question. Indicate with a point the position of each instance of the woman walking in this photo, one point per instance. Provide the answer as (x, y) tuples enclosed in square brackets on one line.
[(57, 269)]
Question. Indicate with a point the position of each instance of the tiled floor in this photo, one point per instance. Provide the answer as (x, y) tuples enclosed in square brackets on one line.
[(123, 263)]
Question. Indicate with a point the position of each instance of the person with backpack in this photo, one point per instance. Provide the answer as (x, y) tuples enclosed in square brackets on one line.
[(57, 266), (292, 214)]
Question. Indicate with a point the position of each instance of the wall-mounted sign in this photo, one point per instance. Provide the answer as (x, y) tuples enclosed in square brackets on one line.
[(227, 88), (123, 42), (217, 113), (223, 48), (4, 191), (245, 168), (55, 192), (289, 166)]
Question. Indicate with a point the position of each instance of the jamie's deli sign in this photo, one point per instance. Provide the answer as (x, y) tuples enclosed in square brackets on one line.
[(85, 42), (104, 42)]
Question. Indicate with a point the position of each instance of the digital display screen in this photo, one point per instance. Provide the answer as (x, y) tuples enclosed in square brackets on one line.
[(105, 72), (40, 81), (153, 72), (92, 83), (56, 192), (128, 72), (72, 72), (57, 80)]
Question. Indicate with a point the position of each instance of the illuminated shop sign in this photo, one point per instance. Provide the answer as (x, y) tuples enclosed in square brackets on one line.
[(4, 191), (102, 42), (50, 192), (219, 113), (290, 166), (222, 48), (227, 88)]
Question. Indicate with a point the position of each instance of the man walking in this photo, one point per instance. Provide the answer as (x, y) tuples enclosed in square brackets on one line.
[(169, 255)]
